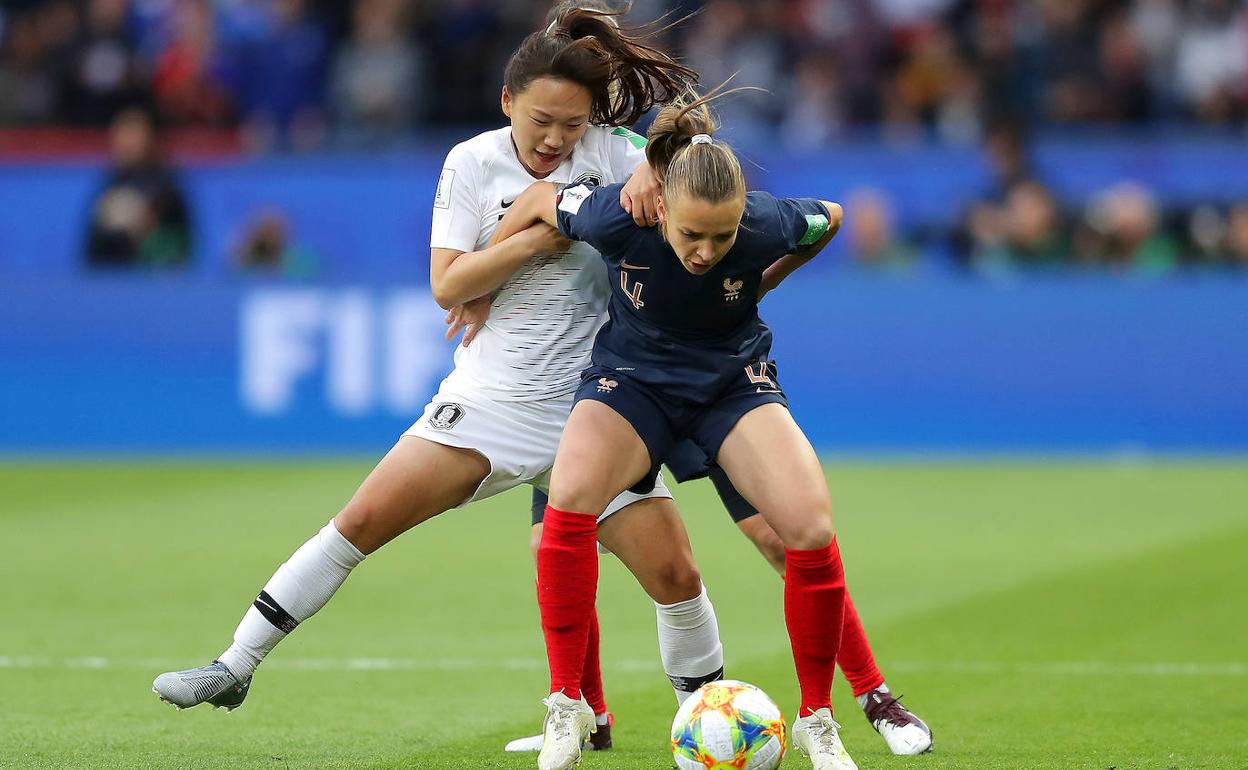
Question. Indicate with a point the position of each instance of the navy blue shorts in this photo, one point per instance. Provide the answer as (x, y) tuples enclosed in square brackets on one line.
[(662, 423)]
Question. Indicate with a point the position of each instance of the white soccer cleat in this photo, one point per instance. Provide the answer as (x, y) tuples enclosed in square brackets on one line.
[(901, 729), (816, 736), (599, 740), (568, 724)]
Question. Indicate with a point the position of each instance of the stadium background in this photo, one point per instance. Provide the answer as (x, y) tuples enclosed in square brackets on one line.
[(1045, 260)]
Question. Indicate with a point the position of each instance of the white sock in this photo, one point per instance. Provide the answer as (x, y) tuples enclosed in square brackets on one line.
[(689, 644), (296, 591), (862, 699)]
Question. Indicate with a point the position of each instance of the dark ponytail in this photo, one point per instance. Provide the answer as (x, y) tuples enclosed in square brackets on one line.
[(684, 156), (624, 76)]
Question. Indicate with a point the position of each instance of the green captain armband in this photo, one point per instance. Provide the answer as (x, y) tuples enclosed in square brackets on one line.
[(816, 228), (636, 140)]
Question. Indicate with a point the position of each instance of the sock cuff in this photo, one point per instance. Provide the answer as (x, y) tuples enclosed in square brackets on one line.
[(568, 522), (687, 615), (685, 605), (812, 557), (338, 548)]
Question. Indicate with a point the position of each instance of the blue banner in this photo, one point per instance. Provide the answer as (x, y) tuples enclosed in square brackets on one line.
[(180, 365)]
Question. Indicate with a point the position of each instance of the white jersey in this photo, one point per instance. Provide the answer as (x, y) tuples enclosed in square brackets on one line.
[(543, 319)]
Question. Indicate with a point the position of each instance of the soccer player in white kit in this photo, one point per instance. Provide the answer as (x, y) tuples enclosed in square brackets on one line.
[(496, 419)]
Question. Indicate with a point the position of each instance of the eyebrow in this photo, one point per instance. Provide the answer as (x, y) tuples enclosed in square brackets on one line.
[(695, 234), (547, 115)]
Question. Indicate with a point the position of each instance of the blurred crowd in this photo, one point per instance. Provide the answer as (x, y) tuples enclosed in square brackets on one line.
[(300, 75)]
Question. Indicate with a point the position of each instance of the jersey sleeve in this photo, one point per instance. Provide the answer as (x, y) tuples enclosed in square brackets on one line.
[(625, 151), (795, 224), (594, 215), (457, 212)]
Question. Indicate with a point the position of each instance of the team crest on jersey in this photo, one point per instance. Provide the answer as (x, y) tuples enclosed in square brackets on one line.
[(606, 386), (445, 416), (590, 178), (732, 289)]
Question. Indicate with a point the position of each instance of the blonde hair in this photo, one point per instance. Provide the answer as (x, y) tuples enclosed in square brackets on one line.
[(706, 169)]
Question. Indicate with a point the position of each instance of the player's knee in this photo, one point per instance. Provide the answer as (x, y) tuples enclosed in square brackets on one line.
[(678, 581), (358, 522), (578, 497), (813, 534)]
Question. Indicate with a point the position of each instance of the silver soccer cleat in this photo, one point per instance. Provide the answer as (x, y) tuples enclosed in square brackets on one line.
[(212, 684)]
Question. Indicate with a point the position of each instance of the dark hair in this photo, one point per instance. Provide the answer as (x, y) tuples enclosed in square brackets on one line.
[(624, 76), (708, 170)]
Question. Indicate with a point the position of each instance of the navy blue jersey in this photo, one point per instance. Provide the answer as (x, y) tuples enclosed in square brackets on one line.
[(668, 328)]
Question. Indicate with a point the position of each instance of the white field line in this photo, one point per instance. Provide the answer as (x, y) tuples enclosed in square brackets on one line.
[(1050, 668)]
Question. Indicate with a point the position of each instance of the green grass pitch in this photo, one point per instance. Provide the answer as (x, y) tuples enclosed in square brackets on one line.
[(1038, 615)]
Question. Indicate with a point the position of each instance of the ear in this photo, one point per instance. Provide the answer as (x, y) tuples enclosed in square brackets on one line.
[(658, 205), (506, 102)]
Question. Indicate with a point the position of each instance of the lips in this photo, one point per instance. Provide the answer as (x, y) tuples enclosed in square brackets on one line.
[(546, 158)]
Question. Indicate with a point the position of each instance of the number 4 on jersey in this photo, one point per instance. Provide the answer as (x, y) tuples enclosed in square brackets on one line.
[(633, 293)]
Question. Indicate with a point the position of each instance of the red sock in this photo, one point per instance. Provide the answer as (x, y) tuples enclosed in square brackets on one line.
[(567, 580), (591, 677), (814, 611), (854, 657)]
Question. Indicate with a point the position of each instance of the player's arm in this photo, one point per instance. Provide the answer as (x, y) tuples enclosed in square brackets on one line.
[(782, 268), (458, 270), (458, 276), (534, 206)]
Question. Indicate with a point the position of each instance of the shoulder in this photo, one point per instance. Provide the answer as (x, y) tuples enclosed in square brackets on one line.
[(594, 215), (479, 152), (761, 205), (608, 139)]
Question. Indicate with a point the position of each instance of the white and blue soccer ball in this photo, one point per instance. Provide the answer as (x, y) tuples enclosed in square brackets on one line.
[(729, 725)]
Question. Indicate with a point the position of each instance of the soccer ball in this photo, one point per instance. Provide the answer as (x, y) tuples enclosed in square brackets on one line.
[(728, 725)]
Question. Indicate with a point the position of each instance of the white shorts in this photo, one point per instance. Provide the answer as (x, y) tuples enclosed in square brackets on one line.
[(518, 438)]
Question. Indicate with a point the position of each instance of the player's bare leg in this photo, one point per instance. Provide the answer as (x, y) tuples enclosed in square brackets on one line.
[(414, 482), (902, 730), (767, 458)]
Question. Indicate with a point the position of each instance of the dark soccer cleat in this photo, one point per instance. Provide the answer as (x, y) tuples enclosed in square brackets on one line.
[(600, 739), (212, 684), (904, 732)]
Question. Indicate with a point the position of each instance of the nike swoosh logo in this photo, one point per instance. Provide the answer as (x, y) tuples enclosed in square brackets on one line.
[(507, 203), (632, 267)]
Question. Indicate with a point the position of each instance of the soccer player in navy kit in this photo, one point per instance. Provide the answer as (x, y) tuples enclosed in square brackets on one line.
[(685, 356)]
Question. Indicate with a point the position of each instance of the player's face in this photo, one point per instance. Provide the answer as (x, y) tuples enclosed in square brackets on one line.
[(547, 120), (700, 232)]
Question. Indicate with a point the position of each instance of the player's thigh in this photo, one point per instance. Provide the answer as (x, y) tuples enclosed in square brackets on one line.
[(415, 481), (649, 538), (769, 460), (600, 455)]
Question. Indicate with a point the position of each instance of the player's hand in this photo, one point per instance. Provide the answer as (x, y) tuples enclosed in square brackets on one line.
[(470, 317), (640, 196), (544, 239)]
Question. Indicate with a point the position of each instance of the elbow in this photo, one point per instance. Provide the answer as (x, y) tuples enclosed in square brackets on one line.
[(443, 295), (836, 215)]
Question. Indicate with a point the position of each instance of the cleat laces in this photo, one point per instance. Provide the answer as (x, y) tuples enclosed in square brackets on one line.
[(892, 711), (561, 718), (824, 733)]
